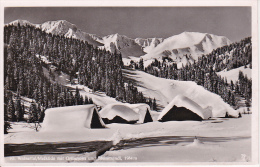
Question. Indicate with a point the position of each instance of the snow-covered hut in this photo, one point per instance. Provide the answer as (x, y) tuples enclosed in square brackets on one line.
[(144, 112), (72, 118), (182, 108), (118, 113), (206, 98)]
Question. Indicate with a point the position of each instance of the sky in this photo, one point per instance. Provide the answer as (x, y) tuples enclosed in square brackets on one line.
[(143, 22)]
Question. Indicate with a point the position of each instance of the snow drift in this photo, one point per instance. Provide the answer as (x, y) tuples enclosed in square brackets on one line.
[(118, 113), (182, 108), (72, 118), (208, 99)]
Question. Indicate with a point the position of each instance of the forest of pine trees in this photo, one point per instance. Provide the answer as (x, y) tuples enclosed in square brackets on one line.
[(25, 72), (203, 71)]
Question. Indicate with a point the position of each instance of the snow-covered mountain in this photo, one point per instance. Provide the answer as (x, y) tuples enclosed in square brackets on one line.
[(187, 46), (127, 46), (182, 48), (22, 23), (62, 27)]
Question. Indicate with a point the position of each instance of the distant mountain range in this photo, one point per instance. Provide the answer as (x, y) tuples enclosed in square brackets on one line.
[(182, 48)]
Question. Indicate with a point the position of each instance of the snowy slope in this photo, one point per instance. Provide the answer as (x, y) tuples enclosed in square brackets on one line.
[(165, 90), (99, 98), (233, 74)]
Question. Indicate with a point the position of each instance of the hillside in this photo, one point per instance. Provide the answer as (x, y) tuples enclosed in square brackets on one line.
[(234, 73), (165, 90), (38, 65)]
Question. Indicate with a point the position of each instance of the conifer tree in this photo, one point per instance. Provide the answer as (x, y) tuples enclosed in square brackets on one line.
[(11, 110), (33, 113), (19, 113)]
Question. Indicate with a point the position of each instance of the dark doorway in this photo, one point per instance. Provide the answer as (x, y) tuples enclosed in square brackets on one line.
[(180, 114), (95, 121), (148, 117)]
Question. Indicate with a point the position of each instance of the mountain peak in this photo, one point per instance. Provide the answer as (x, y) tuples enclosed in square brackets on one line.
[(115, 36), (65, 22), (20, 21), (58, 27)]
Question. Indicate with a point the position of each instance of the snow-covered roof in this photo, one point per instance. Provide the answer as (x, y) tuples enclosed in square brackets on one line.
[(70, 118), (122, 110), (183, 101), (206, 98), (141, 109)]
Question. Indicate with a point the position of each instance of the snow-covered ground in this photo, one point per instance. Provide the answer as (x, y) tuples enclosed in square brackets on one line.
[(226, 151), (235, 132), (233, 74), (235, 144)]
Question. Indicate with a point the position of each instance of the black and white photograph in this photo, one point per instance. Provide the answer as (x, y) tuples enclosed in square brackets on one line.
[(129, 84)]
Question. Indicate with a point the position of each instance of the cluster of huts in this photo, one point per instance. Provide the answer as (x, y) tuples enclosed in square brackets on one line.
[(179, 109)]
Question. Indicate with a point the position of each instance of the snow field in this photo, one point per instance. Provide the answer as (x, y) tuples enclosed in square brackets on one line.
[(232, 149), (233, 74), (218, 127)]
